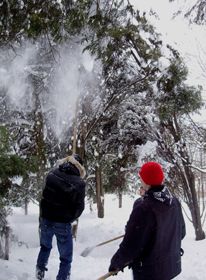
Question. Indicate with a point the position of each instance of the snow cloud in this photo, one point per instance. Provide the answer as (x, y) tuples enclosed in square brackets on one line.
[(14, 75), (62, 80), (67, 84)]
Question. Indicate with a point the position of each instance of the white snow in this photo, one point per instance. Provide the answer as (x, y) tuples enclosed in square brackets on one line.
[(91, 231)]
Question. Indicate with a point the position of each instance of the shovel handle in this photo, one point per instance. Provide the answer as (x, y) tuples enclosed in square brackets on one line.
[(107, 275), (105, 242), (89, 249)]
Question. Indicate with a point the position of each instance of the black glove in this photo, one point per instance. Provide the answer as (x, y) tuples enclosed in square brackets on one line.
[(113, 269)]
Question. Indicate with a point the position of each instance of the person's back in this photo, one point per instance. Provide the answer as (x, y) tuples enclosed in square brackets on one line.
[(63, 195), (62, 202), (160, 257), (152, 241)]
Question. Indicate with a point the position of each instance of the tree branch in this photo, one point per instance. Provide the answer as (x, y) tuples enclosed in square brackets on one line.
[(109, 104)]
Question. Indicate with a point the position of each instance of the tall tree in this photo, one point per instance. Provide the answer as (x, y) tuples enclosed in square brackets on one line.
[(175, 102)]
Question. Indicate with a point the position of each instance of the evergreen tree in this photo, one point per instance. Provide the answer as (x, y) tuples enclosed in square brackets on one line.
[(181, 100), (11, 166)]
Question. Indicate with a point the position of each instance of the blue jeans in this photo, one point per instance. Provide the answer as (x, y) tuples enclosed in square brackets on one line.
[(62, 231)]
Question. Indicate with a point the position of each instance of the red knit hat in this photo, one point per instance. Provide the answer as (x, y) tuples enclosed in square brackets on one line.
[(151, 173)]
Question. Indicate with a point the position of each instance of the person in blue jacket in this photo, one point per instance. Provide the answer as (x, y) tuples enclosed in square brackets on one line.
[(62, 203), (152, 242)]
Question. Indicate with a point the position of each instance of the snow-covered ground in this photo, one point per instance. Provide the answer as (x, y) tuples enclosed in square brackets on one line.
[(91, 231)]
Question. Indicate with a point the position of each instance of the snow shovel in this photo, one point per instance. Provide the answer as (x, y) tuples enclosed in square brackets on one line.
[(107, 275), (87, 251)]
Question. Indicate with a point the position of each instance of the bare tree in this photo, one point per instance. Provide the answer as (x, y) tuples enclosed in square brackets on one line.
[(174, 147)]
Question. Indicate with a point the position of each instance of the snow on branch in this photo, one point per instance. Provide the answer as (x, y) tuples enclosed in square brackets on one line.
[(198, 169)]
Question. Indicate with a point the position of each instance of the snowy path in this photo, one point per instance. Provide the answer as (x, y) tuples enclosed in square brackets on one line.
[(21, 265)]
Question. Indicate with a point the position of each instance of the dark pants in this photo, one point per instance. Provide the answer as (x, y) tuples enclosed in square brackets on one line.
[(62, 231)]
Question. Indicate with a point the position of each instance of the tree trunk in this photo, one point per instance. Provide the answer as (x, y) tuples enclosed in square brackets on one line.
[(199, 233), (7, 231), (99, 193), (1, 251), (193, 205), (196, 219), (26, 203), (120, 197), (38, 132)]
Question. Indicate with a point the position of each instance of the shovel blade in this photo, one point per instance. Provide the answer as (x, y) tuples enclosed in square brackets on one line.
[(87, 251)]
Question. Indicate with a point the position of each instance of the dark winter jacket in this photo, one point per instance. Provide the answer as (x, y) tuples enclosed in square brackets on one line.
[(152, 241), (64, 193)]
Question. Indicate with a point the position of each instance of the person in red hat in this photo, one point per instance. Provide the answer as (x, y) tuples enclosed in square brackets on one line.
[(152, 242)]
